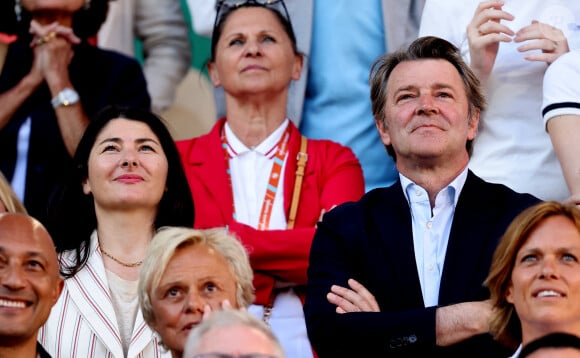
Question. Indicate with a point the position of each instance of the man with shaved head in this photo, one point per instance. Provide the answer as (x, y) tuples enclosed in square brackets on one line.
[(29, 284)]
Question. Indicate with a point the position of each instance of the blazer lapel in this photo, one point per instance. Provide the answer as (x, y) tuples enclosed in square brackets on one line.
[(89, 290), (391, 216), (467, 243), (142, 336)]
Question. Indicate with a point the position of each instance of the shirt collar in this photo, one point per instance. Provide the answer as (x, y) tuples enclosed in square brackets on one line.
[(453, 189), (266, 148)]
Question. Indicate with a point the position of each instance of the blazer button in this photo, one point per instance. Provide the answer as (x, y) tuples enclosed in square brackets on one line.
[(396, 343)]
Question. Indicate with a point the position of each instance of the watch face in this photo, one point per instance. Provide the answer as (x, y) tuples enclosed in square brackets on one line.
[(66, 97), (69, 97)]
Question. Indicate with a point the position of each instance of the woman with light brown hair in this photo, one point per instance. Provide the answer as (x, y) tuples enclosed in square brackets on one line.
[(535, 275)]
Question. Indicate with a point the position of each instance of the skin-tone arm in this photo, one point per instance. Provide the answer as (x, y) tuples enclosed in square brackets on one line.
[(54, 57), (51, 60), (454, 323), (12, 99), (461, 321), (284, 254), (564, 132), (486, 31)]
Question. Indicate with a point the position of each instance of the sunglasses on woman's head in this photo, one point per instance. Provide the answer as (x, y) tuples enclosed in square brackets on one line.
[(223, 5)]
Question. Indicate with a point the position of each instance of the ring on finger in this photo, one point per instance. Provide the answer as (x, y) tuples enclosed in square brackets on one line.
[(45, 39), (50, 36), (39, 41)]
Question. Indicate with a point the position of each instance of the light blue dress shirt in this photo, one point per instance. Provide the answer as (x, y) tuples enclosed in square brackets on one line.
[(431, 229), (347, 37)]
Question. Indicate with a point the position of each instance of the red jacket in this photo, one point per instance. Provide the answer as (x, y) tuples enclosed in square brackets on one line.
[(333, 176)]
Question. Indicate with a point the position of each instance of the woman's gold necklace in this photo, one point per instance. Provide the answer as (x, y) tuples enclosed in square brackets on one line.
[(134, 264)]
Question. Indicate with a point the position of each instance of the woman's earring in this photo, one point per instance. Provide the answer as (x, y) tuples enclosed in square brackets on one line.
[(18, 10), (87, 4)]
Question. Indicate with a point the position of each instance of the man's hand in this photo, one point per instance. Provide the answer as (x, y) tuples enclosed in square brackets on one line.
[(355, 299)]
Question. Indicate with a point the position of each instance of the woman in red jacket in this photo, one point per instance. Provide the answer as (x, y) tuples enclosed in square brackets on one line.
[(244, 173)]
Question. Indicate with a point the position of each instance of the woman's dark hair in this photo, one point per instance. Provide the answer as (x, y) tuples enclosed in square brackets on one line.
[(224, 11), (72, 216), (86, 22), (552, 340)]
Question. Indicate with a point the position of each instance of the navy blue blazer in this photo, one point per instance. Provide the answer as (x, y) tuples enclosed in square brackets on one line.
[(371, 241)]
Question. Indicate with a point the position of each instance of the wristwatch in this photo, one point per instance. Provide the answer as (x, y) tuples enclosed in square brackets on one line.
[(66, 97)]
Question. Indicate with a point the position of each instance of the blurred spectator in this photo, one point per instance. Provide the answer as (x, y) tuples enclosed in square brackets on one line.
[(509, 45), (230, 333), (560, 345), (51, 85), (166, 51), (561, 110)]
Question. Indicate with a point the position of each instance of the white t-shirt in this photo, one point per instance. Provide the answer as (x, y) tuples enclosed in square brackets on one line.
[(512, 146), (562, 87)]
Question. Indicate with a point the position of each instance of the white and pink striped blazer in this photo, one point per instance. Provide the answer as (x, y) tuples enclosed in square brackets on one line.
[(83, 322)]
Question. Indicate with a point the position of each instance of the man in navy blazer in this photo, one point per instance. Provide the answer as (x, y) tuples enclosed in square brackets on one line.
[(400, 273)]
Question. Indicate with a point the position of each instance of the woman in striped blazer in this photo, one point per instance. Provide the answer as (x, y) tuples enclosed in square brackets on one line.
[(128, 183)]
